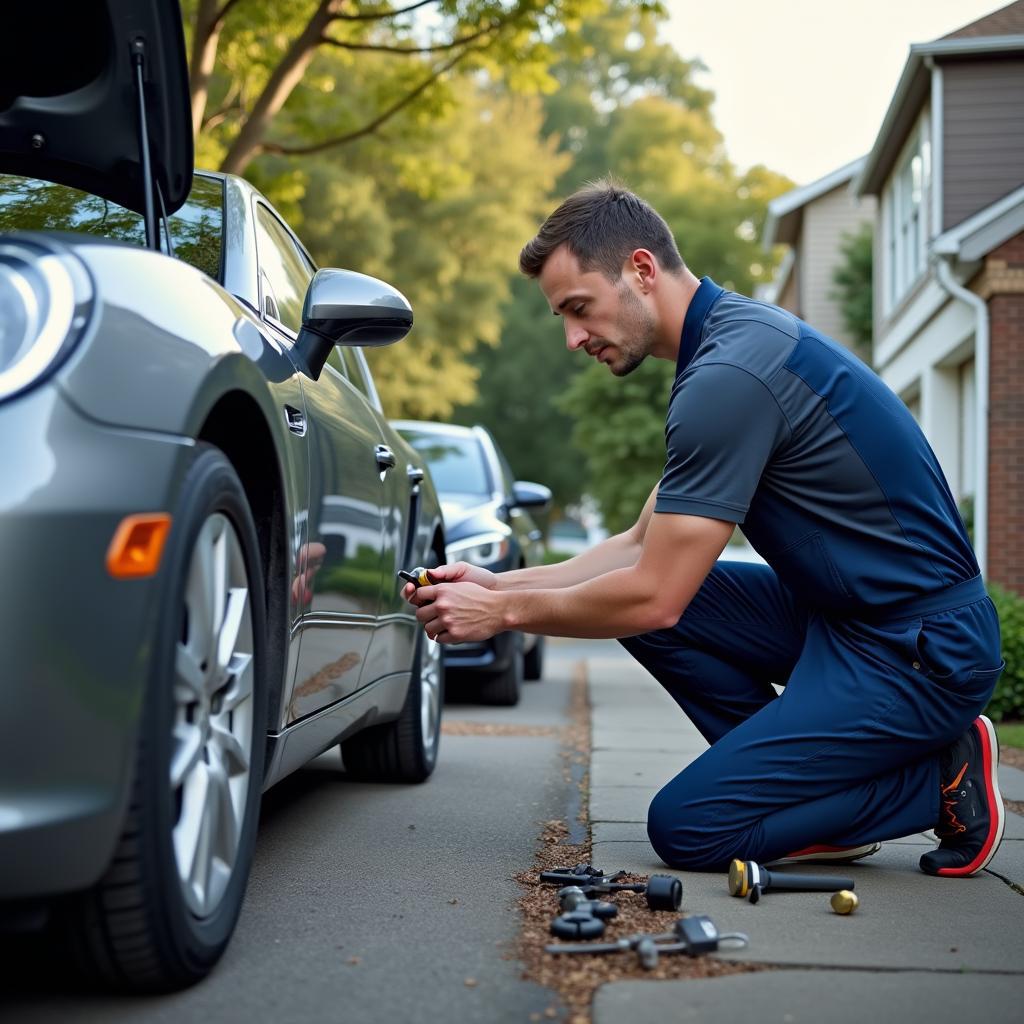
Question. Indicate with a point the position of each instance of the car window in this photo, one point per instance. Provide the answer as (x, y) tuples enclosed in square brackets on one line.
[(29, 204), (456, 463), (354, 371), (284, 267)]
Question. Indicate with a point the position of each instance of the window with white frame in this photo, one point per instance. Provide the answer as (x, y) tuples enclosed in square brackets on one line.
[(907, 223)]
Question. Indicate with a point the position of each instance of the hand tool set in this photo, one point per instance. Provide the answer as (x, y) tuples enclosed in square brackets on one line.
[(584, 918)]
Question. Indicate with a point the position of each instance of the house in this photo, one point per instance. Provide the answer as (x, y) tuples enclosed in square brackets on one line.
[(947, 170), (812, 221)]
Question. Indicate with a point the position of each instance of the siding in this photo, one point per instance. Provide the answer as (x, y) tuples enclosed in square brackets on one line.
[(983, 136), (825, 221)]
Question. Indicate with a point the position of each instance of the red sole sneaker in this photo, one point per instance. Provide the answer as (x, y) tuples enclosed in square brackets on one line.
[(997, 814)]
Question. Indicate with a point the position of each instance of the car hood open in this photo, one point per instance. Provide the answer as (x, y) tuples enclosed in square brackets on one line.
[(68, 106)]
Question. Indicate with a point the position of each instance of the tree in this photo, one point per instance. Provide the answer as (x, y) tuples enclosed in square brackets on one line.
[(442, 218), (854, 290), (253, 55)]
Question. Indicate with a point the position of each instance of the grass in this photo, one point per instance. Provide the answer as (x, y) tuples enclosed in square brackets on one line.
[(1011, 734)]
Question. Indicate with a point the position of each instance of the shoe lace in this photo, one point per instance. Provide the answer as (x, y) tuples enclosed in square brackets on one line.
[(952, 824)]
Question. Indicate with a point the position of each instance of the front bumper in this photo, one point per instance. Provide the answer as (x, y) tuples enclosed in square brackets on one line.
[(75, 640)]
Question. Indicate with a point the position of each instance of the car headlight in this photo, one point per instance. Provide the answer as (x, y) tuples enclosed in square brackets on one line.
[(44, 296), (483, 549)]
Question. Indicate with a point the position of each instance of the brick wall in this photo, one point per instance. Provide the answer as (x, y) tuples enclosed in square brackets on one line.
[(1004, 272)]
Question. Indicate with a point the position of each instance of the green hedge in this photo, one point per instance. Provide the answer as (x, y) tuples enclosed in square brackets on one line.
[(1008, 700)]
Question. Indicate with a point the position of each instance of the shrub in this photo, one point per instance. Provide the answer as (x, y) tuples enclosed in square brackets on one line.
[(1008, 699)]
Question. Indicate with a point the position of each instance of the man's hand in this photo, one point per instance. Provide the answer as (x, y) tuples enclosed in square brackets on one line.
[(457, 614), (457, 572)]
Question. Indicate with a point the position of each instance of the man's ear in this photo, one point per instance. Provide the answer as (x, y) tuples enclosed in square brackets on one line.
[(642, 267)]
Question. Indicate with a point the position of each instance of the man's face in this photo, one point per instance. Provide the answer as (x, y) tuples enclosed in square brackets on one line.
[(608, 320)]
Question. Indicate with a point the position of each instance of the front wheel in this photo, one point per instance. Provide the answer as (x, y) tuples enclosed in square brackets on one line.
[(163, 914), (406, 749)]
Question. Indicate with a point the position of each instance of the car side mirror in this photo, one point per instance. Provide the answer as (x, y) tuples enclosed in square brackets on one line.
[(526, 494), (346, 308)]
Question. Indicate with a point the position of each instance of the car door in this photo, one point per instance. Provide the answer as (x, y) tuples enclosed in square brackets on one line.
[(391, 650), (339, 580)]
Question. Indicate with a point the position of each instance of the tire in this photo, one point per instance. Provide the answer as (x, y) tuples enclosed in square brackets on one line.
[(163, 913), (406, 749), (503, 688), (533, 662)]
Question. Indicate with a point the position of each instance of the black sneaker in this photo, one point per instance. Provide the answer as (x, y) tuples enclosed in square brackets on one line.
[(972, 817)]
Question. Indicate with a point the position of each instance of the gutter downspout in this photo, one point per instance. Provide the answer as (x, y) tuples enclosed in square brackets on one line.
[(981, 375)]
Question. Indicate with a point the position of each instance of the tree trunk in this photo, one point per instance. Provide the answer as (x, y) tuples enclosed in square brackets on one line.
[(286, 76), (204, 52)]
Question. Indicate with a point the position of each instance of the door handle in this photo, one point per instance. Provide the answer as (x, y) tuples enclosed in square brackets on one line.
[(415, 475), (296, 420), (385, 456)]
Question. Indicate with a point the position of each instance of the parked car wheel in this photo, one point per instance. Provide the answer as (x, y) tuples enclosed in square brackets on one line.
[(503, 688), (406, 749), (163, 913), (533, 662)]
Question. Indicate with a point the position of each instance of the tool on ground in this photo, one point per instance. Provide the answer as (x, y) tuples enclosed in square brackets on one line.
[(844, 901), (663, 892), (577, 924), (572, 897), (750, 879), (694, 935), (418, 577)]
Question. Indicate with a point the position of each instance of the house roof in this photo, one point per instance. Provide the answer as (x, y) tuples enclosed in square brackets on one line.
[(785, 212), (999, 32), (988, 228), (1007, 21)]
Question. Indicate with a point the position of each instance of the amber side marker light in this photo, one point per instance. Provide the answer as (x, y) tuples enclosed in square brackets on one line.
[(137, 545)]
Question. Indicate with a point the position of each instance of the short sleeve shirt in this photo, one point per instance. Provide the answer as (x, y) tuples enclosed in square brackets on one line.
[(776, 427)]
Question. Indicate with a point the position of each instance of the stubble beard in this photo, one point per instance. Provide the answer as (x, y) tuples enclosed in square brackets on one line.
[(636, 329)]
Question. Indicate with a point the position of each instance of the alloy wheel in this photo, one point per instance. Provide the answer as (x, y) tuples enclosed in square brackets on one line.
[(211, 751), (430, 690)]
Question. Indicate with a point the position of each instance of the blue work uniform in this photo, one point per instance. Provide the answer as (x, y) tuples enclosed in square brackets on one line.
[(871, 611)]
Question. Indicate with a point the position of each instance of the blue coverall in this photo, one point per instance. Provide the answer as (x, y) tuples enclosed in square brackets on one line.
[(870, 612)]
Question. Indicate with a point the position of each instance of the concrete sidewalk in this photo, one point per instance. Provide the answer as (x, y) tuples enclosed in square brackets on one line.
[(918, 948)]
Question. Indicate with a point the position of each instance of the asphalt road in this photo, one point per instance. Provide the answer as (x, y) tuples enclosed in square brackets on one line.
[(372, 903)]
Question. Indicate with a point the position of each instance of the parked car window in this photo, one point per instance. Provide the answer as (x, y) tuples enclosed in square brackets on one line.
[(286, 269), (29, 204), (456, 463)]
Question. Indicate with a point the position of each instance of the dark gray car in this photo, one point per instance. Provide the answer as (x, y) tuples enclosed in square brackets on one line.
[(488, 522), (202, 509)]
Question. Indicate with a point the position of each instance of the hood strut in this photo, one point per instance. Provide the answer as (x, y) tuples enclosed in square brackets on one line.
[(148, 184)]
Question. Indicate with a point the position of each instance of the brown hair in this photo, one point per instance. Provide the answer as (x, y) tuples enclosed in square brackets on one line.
[(602, 223)]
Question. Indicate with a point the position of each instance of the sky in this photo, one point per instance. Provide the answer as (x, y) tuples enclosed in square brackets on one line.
[(802, 86)]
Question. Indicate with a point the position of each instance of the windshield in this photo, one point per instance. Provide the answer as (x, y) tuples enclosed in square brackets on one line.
[(456, 463), (29, 204)]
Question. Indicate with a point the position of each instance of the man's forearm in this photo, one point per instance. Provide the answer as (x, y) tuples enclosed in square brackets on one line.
[(619, 603), (618, 552)]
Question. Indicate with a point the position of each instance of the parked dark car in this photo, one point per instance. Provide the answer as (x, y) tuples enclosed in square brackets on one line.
[(202, 509), (487, 522)]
